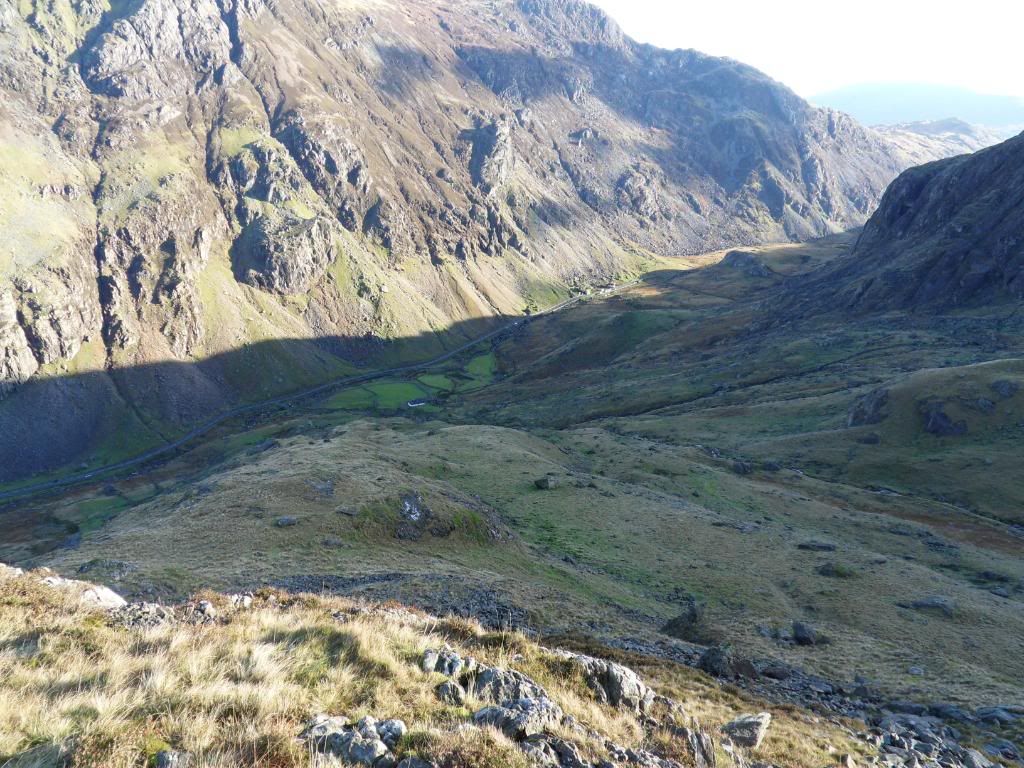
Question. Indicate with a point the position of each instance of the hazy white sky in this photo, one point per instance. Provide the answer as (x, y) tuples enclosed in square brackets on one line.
[(817, 45)]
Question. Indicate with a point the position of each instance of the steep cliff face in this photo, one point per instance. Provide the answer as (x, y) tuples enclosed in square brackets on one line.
[(183, 177), (946, 234)]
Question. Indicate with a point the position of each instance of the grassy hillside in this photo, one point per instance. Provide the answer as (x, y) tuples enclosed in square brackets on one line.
[(694, 461), (235, 685)]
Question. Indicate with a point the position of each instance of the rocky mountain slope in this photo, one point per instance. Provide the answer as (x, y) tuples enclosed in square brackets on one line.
[(924, 141), (183, 178), (300, 680), (947, 234)]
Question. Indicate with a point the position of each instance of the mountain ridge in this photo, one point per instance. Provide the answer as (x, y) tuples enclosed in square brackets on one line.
[(370, 171)]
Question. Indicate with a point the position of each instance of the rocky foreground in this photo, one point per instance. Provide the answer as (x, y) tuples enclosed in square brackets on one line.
[(275, 679)]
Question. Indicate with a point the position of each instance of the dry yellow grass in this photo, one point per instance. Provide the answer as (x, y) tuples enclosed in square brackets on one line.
[(76, 689)]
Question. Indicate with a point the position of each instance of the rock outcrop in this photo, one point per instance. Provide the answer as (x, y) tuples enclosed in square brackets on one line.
[(946, 234), (524, 712)]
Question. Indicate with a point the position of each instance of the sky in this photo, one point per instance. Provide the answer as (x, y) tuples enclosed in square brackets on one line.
[(821, 45)]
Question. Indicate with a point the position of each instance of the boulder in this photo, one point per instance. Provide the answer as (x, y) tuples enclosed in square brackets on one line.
[(869, 409), (500, 685), (287, 521), (546, 483), (544, 750), (937, 421), (612, 683), (805, 634), (974, 759), (718, 661), (363, 751), (324, 732), (936, 603), (748, 731), (521, 718), (359, 744), (447, 662), (451, 692), (415, 762), (169, 758), (391, 732), (9, 572), (691, 625), (142, 615), (103, 598), (92, 595), (699, 745), (1005, 389)]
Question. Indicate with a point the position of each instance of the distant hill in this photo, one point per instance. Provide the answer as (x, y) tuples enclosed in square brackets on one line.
[(924, 141), (889, 103)]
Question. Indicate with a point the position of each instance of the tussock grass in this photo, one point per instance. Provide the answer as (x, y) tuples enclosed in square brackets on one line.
[(77, 690)]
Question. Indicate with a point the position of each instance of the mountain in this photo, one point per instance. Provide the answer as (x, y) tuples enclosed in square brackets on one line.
[(946, 234), (923, 141), (891, 103), (186, 179)]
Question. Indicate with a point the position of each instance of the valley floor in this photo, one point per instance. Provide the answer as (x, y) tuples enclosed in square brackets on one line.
[(676, 451)]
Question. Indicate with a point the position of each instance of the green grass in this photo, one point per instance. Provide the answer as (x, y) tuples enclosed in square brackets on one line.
[(390, 396)]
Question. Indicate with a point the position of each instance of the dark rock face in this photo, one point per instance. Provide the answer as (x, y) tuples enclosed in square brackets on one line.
[(946, 234), (937, 422), (869, 409), (284, 255)]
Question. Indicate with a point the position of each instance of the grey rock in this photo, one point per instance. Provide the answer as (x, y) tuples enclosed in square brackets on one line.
[(367, 727), (613, 683), (1003, 748), (451, 692), (937, 603), (320, 729), (520, 718), (748, 731), (906, 707), (552, 751), (997, 715), (364, 751), (286, 522), (415, 762), (951, 712), (974, 759), (391, 732), (499, 685), (284, 253), (805, 634), (447, 662), (718, 661), (869, 409), (938, 422), (172, 759), (1005, 389), (546, 483), (17, 363), (493, 155)]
